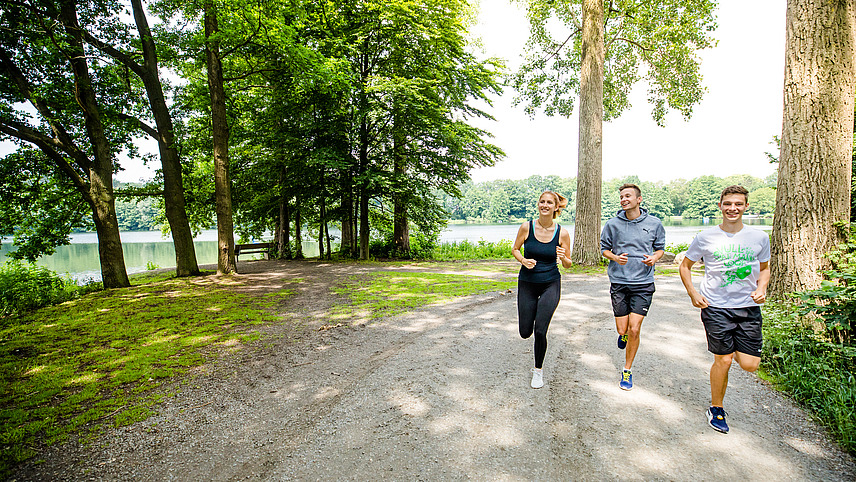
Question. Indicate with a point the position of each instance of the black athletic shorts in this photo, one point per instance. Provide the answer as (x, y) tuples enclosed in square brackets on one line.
[(733, 329), (628, 299)]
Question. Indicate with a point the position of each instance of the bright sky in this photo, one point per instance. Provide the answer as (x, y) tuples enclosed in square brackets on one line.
[(729, 132)]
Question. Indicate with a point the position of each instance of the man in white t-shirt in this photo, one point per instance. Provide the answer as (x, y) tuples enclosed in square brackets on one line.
[(736, 273)]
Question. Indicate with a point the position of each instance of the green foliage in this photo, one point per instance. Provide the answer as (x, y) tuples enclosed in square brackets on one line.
[(817, 373), (835, 301), (466, 250), (69, 369), (25, 287), (507, 201), (703, 198), (139, 215), (677, 248), (655, 41), (809, 344), (40, 207), (762, 201)]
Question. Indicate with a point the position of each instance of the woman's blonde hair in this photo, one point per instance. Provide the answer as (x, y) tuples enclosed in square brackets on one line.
[(561, 202)]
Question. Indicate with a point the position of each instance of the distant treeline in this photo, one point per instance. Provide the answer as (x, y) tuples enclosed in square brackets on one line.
[(511, 200)]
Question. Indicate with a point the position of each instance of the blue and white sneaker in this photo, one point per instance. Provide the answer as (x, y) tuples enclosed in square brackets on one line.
[(622, 341), (716, 419), (626, 382)]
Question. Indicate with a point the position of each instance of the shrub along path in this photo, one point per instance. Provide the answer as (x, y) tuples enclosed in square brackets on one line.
[(441, 392)]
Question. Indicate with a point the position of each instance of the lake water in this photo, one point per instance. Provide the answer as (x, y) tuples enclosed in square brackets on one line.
[(80, 258)]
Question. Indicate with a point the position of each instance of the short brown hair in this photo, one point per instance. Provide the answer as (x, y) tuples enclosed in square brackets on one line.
[(631, 186), (734, 189)]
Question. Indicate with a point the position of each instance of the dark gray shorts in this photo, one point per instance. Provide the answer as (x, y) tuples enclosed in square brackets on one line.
[(628, 299), (733, 329)]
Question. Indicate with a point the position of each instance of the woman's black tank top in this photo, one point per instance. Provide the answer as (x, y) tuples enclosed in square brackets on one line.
[(546, 269)]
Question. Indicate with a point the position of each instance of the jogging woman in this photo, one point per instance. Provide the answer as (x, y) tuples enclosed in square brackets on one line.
[(539, 284)]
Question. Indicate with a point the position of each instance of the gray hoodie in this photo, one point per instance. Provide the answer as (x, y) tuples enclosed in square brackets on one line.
[(638, 237)]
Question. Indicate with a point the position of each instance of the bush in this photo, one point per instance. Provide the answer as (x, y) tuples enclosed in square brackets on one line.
[(834, 302), (469, 250), (25, 287), (677, 248), (809, 347), (816, 372)]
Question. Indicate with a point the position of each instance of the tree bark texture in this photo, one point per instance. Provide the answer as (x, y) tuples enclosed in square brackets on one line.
[(400, 224), (586, 249), (813, 189), (348, 244), (364, 189), (283, 246), (364, 224), (298, 236), (220, 128), (174, 201), (113, 272)]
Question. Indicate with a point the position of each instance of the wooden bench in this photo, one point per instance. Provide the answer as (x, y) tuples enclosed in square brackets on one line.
[(252, 248)]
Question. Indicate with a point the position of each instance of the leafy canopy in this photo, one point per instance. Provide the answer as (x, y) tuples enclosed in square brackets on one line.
[(653, 41)]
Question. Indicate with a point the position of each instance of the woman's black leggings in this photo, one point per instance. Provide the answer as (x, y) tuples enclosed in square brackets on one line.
[(536, 303)]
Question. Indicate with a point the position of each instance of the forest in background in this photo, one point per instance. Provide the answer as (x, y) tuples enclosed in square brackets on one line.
[(510, 200)]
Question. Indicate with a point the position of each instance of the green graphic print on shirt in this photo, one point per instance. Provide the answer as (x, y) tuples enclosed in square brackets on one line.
[(736, 261)]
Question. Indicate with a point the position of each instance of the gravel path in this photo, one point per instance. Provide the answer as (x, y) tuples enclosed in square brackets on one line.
[(442, 394)]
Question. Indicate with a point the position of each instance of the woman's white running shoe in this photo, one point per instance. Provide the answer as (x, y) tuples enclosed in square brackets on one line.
[(537, 378)]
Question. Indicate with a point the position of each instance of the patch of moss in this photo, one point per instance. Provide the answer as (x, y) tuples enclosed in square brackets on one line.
[(80, 363)]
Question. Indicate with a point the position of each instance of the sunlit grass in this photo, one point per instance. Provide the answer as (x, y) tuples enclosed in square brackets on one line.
[(385, 293), (99, 359)]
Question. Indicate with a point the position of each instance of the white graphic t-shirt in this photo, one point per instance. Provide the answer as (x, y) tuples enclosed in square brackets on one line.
[(732, 264)]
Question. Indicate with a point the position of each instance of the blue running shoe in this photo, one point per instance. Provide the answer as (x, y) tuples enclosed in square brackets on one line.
[(622, 341), (716, 419), (626, 382)]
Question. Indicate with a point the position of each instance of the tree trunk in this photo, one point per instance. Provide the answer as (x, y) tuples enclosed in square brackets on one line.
[(364, 224), (281, 237), (347, 246), (220, 129), (284, 244), (364, 188), (321, 232), (174, 201), (400, 225), (298, 237), (586, 250), (113, 272), (813, 189), (327, 238)]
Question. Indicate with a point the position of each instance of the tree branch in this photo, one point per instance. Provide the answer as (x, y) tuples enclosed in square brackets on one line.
[(151, 131), (547, 58), (45, 144), (637, 44), (125, 59), (61, 140)]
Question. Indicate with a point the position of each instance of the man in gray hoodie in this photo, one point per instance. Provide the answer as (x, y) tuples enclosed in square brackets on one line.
[(633, 242)]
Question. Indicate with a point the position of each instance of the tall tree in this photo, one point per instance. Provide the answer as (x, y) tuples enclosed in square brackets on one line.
[(42, 55), (586, 249), (163, 131), (226, 262), (815, 164), (605, 48)]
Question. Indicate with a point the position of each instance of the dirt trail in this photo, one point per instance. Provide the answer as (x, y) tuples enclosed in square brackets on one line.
[(442, 394)]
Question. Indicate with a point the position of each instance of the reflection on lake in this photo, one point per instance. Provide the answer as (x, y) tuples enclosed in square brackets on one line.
[(80, 258)]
